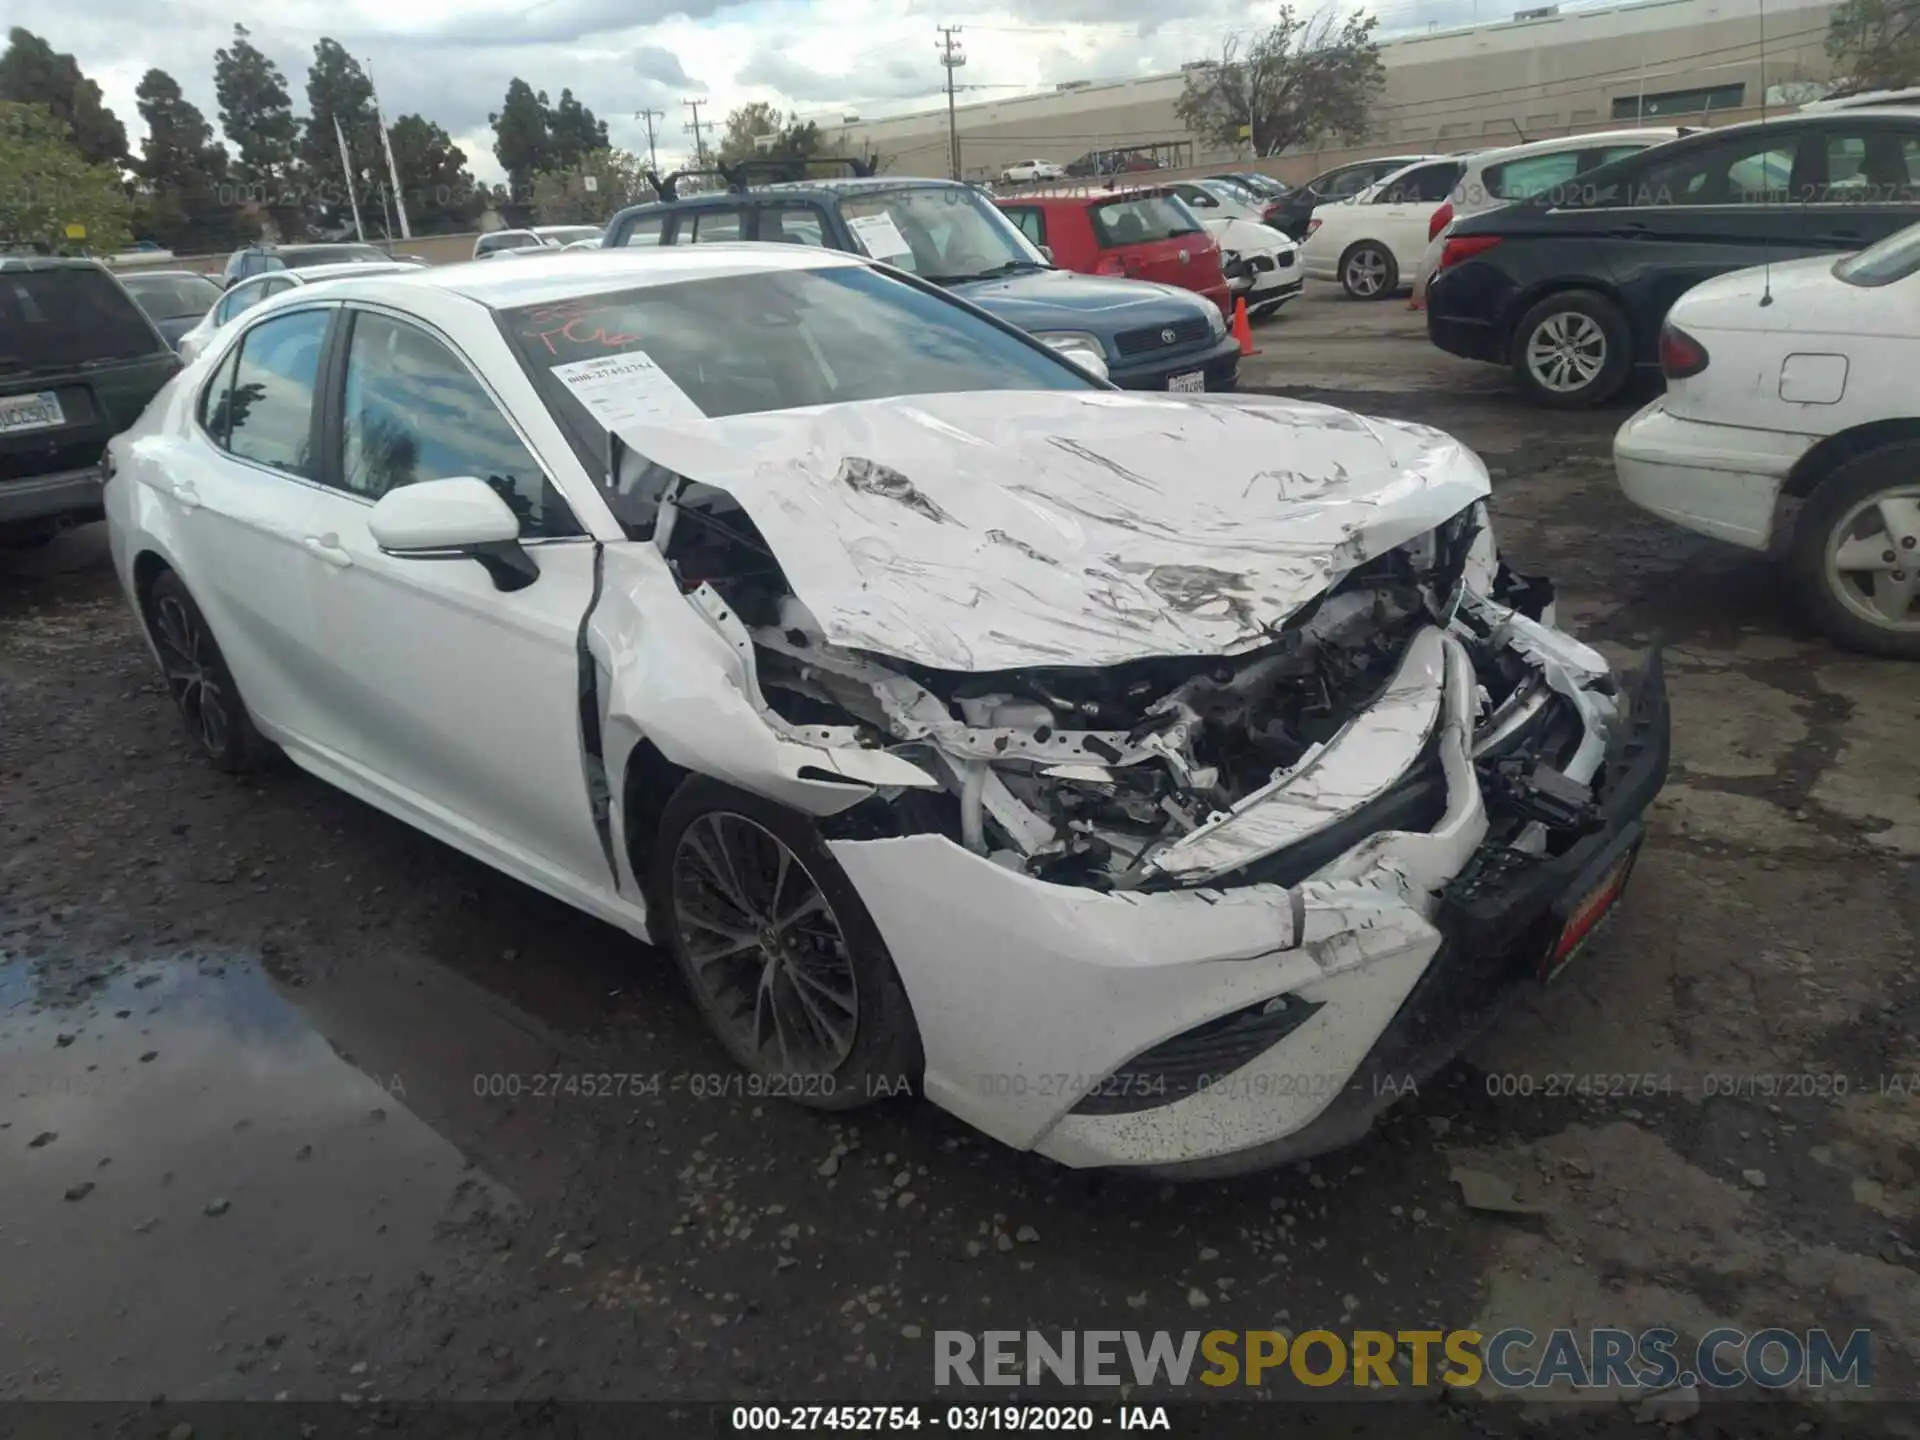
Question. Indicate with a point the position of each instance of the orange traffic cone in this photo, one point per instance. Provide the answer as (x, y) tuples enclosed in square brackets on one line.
[(1242, 331)]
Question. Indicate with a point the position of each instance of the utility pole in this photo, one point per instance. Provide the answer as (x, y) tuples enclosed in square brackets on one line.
[(649, 116), (699, 142), (952, 57)]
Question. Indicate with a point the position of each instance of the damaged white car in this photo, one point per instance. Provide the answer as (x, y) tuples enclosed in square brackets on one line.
[(1155, 782)]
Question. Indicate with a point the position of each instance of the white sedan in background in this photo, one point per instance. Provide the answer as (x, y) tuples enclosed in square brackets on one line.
[(1022, 172), (788, 612), (1270, 257), (1789, 425), (249, 293), (1372, 243)]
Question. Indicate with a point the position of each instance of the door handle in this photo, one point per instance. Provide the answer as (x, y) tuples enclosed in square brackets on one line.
[(328, 548), (185, 493)]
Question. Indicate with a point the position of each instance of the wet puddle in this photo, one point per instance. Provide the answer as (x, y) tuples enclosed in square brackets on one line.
[(193, 1171)]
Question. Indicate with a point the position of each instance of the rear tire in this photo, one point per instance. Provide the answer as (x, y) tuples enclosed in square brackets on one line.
[(1368, 271), (1573, 350), (198, 678), (778, 951), (1841, 541)]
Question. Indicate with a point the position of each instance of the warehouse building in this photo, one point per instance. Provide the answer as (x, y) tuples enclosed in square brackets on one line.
[(1546, 71)]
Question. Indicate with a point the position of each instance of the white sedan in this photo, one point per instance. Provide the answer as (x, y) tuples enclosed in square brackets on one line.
[(1150, 781), (1789, 425), (1372, 244), (1022, 172), (249, 293)]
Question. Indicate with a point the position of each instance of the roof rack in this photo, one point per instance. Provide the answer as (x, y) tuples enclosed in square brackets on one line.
[(740, 175)]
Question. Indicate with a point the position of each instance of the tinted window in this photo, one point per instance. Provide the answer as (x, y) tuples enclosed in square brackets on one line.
[(173, 297), (413, 412), (268, 416), (1032, 221), (711, 227), (216, 401), (646, 230), (773, 341), (69, 316), (1747, 169), (1142, 218), (1193, 195), (793, 225), (1868, 166), (1428, 184), (1343, 183)]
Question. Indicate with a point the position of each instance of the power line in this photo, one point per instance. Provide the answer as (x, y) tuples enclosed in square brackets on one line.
[(699, 142), (952, 57), (649, 116)]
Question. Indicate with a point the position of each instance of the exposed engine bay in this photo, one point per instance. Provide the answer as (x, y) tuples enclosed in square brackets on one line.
[(1094, 776)]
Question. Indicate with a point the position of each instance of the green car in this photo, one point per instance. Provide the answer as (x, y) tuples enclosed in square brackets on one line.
[(79, 360)]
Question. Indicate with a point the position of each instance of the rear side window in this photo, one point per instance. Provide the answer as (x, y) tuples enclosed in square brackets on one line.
[(1744, 170), (712, 227), (1428, 184), (646, 231), (792, 225), (1524, 179), (69, 316), (1343, 183), (267, 414), (1140, 219)]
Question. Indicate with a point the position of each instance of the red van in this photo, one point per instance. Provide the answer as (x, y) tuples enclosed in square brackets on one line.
[(1138, 234)]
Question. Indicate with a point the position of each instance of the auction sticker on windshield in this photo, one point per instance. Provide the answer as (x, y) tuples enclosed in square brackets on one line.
[(627, 389), (880, 235), (31, 412)]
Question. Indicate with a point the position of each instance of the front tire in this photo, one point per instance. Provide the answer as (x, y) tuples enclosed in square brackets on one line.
[(1573, 350), (782, 959), (198, 679), (1856, 553), (1368, 271)]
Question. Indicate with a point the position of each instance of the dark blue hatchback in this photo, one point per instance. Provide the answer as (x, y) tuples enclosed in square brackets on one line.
[(1147, 337)]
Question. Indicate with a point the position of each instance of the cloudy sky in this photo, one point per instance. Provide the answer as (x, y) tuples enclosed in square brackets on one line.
[(450, 60)]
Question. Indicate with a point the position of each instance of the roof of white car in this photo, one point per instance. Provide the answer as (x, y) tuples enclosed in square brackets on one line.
[(556, 275), (1652, 134), (307, 274)]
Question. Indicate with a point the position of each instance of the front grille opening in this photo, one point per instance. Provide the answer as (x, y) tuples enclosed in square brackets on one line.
[(1199, 1058), (1154, 337)]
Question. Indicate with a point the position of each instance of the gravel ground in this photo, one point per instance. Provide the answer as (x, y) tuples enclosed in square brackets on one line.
[(256, 1039)]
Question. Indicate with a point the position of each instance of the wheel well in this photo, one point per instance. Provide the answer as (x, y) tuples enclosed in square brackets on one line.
[(1836, 450), (1561, 287), (648, 784), (147, 568)]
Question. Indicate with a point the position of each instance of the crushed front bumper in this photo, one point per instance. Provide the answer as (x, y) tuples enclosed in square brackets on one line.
[(1034, 998)]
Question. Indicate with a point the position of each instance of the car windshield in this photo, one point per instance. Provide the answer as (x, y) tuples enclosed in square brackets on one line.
[(1894, 258), (1136, 219), (73, 315), (775, 340), (172, 297), (943, 233)]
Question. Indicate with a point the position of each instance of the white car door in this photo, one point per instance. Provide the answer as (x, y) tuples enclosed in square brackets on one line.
[(236, 487), (1398, 211), (459, 700)]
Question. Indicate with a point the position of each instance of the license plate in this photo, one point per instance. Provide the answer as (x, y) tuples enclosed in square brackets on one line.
[(1193, 380), (31, 412), (1588, 917)]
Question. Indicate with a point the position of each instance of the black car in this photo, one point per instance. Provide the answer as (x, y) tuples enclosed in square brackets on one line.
[(253, 260), (1295, 208), (1096, 163), (78, 363), (1571, 288), (949, 234), (173, 299)]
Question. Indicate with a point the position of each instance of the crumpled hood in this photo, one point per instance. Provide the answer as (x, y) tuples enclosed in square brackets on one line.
[(998, 529)]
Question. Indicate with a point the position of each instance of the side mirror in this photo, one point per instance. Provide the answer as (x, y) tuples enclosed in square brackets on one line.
[(455, 519)]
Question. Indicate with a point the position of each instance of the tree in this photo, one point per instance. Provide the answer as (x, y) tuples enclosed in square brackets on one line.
[(572, 133), (441, 194), (1876, 43), (756, 131), (1297, 82), (521, 142), (47, 185), (562, 197), (181, 172), (258, 118), (31, 73), (338, 90)]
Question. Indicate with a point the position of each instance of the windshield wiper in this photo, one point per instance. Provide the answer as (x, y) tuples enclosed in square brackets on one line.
[(998, 270)]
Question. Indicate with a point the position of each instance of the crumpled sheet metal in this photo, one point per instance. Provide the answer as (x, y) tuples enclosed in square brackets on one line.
[(1363, 761), (991, 530)]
